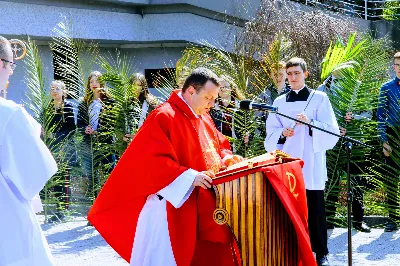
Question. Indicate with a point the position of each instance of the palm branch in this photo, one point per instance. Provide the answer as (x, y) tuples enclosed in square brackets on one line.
[(73, 61), (71, 58), (40, 105)]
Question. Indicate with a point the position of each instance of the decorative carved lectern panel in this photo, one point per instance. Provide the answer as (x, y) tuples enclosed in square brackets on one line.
[(252, 209)]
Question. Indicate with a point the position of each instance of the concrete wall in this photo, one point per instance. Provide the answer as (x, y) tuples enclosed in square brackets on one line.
[(245, 9), (390, 29), (154, 32), (38, 21)]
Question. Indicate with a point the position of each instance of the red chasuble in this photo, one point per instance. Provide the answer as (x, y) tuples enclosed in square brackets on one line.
[(170, 141)]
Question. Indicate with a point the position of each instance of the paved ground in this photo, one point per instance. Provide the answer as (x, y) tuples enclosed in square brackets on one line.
[(75, 244)]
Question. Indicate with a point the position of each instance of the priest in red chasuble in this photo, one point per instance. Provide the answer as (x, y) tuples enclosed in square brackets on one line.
[(157, 206)]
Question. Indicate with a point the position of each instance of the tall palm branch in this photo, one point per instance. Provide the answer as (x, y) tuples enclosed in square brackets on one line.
[(39, 103), (73, 58), (73, 61)]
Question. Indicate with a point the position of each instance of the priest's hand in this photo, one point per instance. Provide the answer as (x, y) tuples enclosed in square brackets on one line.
[(387, 150), (231, 159), (203, 179), (288, 132)]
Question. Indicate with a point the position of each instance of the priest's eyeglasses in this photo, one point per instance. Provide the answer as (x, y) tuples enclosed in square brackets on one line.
[(12, 64)]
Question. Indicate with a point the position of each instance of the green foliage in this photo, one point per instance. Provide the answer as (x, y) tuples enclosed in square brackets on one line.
[(391, 10), (279, 50), (42, 109), (73, 59), (360, 68), (125, 114), (341, 56)]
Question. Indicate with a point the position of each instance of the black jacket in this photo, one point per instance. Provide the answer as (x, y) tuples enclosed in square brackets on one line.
[(63, 120)]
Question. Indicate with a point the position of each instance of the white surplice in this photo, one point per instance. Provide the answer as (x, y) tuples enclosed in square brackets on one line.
[(311, 149), (25, 166), (152, 244)]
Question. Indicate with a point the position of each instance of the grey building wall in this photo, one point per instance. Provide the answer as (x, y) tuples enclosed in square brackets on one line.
[(153, 32), (390, 29)]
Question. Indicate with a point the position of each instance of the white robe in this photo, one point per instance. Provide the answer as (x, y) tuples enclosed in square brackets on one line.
[(311, 149), (25, 166), (152, 244)]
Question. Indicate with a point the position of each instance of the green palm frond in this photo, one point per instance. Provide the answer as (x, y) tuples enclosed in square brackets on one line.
[(41, 107), (341, 56), (73, 61), (124, 115), (71, 58), (165, 84), (356, 90), (38, 98), (278, 50)]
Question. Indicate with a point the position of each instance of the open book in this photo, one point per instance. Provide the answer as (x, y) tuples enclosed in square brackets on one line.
[(269, 158)]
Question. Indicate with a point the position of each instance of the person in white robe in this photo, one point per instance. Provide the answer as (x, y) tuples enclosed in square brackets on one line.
[(25, 166), (301, 141)]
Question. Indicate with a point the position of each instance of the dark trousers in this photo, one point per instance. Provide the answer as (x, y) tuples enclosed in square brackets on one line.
[(317, 221), (392, 179), (391, 182), (62, 191), (357, 206)]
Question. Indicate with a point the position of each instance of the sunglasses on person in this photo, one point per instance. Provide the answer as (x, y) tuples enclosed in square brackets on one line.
[(12, 64)]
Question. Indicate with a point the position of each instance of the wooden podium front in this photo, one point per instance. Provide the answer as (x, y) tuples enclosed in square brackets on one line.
[(248, 203)]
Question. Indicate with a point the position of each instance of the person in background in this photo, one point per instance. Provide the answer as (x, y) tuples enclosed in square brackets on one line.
[(388, 117), (95, 123), (276, 88), (223, 113), (358, 186), (146, 101), (63, 128)]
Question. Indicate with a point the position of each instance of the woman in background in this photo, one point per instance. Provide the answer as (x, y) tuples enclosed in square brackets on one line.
[(225, 107), (146, 102), (95, 123), (62, 127)]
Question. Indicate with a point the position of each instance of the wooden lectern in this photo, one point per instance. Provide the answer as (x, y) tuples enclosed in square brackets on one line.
[(248, 202)]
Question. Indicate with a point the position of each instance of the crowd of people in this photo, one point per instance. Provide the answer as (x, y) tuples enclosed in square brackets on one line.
[(165, 218)]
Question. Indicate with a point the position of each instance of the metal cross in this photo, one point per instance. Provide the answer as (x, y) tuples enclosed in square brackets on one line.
[(15, 49)]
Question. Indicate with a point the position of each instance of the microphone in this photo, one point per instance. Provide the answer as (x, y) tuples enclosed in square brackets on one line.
[(250, 105)]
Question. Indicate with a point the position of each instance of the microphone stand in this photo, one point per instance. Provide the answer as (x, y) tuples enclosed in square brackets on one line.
[(348, 145)]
